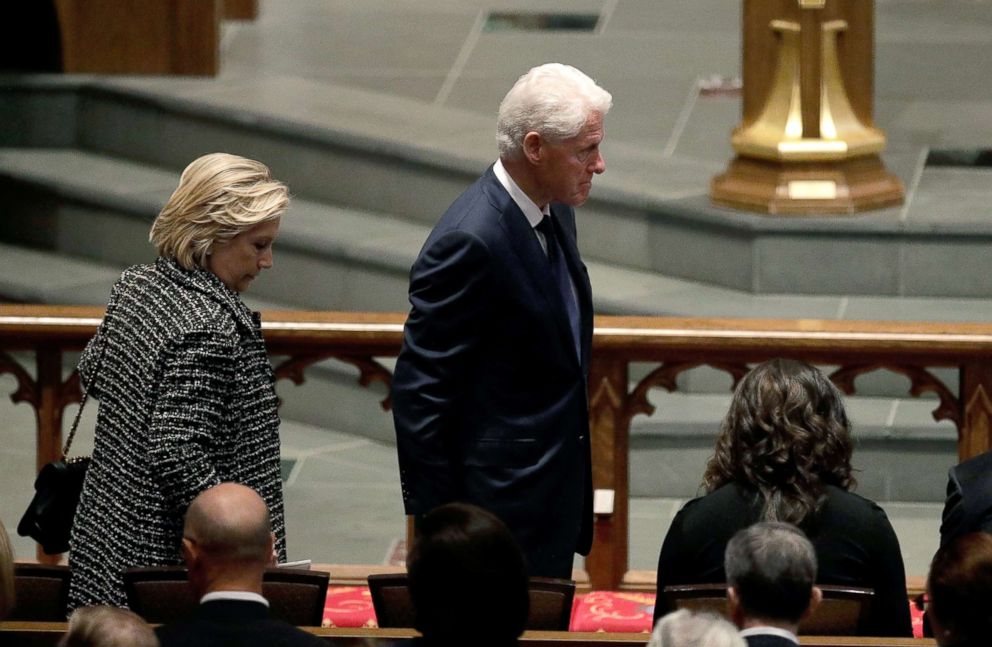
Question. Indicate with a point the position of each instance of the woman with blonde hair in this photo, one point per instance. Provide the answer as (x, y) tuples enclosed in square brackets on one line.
[(784, 454), (186, 391)]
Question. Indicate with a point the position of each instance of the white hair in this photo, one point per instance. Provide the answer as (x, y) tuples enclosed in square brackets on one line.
[(683, 628), (553, 100)]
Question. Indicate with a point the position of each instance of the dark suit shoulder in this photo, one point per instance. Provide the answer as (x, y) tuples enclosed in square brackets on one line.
[(968, 507), (478, 208), (974, 469), (234, 624)]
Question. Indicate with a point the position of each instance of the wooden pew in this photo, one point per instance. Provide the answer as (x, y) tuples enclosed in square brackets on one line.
[(38, 634)]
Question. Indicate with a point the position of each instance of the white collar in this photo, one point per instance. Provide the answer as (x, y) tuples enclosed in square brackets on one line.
[(769, 631), (242, 596), (532, 212)]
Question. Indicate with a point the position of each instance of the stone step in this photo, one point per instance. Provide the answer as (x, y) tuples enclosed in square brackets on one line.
[(387, 154), (100, 207)]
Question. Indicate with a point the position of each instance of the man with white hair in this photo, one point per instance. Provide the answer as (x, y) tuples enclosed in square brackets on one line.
[(683, 628), (490, 394)]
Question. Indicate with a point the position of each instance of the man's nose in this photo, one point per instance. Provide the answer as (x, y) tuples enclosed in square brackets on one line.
[(599, 165)]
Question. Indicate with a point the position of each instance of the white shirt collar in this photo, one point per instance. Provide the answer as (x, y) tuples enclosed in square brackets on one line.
[(532, 212), (769, 631), (242, 596)]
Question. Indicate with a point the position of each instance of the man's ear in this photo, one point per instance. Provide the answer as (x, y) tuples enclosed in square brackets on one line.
[(190, 552), (274, 558), (532, 147), (815, 598), (734, 608)]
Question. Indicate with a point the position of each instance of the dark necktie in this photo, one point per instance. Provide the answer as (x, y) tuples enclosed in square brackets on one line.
[(559, 272)]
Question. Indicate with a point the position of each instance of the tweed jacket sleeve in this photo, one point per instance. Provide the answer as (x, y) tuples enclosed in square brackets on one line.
[(197, 371), (88, 366)]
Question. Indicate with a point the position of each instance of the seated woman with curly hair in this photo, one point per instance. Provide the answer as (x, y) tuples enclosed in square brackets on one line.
[(784, 454)]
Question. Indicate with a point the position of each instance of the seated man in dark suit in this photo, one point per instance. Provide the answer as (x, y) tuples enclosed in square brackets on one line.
[(771, 568), (227, 545), (968, 507)]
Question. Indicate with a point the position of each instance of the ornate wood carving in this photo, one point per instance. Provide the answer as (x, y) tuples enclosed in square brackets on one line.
[(921, 381), (609, 440), (370, 370), (677, 344), (26, 388), (975, 434), (71, 392), (666, 377)]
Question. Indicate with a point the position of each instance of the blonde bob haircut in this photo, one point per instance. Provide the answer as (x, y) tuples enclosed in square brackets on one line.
[(219, 196)]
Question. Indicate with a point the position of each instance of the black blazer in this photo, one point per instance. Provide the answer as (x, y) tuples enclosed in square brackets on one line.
[(968, 507), (854, 542), (489, 397), (234, 623)]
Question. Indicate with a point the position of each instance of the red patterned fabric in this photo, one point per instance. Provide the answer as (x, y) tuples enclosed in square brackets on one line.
[(349, 606), (616, 611), (917, 618), (613, 611)]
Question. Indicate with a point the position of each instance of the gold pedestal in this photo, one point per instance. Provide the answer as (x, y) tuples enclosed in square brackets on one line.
[(807, 142), (837, 187)]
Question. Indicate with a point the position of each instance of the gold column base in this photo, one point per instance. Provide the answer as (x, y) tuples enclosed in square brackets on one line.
[(797, 188)]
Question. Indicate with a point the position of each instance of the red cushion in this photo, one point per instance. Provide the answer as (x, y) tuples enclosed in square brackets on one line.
[(917, 617), (613, 611), (349, 606)]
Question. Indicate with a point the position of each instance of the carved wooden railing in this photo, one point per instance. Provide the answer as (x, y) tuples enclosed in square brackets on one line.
[(676, 345)]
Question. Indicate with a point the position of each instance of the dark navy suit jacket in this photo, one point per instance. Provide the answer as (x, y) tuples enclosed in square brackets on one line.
[(968, 507), (234, 623), (489, 396)]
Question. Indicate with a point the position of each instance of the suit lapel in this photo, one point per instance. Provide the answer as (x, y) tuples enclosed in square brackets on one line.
[(533, 260)]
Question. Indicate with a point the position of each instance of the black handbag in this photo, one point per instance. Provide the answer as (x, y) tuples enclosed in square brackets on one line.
[(48, 519)]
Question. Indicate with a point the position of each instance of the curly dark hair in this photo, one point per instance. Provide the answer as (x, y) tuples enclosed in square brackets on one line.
[(787, 436)]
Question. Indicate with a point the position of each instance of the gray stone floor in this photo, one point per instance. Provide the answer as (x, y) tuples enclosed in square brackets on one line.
[(435, 58)]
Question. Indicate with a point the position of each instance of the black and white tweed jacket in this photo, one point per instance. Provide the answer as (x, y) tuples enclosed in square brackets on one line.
[(187, 400)]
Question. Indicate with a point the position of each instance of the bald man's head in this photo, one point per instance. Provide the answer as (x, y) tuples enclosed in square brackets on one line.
[(230, 523)]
